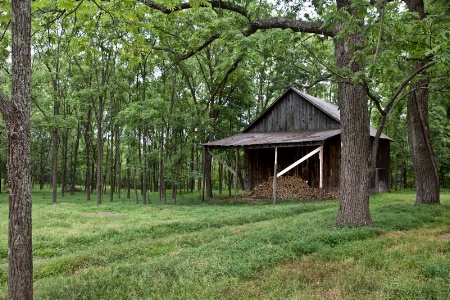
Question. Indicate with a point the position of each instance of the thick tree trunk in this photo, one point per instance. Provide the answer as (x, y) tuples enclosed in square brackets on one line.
[(425, 169), (424, 164), (16, 114), (355, 135)]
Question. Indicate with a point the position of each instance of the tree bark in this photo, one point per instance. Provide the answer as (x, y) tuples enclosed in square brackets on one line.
[(16, 114), (75, 161), (65, 146), (355, 133), (425, 169), (55, 143), (99, 150), (424, 164), (118, 162), (144, 166), (87, 142)]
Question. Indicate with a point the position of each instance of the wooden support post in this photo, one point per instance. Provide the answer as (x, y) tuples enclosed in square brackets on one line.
[(236, 175), (321, 171), (274, 195)]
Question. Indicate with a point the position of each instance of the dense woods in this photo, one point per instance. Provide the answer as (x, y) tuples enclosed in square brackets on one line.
[(124, 96), (124, 93)]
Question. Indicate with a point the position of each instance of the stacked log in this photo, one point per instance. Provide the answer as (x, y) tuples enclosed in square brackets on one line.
[(289, 187)]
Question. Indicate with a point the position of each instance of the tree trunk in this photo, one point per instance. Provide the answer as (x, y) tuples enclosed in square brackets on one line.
[(87, 142), (144, 166), (65, 142), (191, 165), (99, 150), (55, 143), (75, 160), (16, 114), (112, 168), (118, 163), (424, 163), (128, 185), (162, 171), (425, 169), (355, 133)]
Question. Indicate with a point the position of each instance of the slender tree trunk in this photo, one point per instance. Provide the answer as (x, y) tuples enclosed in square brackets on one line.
[(65, 142), (128, 185), (75, 160), (162, 182), (118, 163), (192, 169), (16, 113), (355, 134), (99, 150), (55, 144), (144, 166), (136, 196), (87, 141), (112, 174)]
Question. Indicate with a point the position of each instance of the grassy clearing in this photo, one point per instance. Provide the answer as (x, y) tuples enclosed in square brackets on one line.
[(219, 250)]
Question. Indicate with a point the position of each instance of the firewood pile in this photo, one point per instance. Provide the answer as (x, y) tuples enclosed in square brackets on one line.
[(289, 187)]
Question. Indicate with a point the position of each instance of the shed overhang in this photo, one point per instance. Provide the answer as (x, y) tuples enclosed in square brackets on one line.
[(274, 139)]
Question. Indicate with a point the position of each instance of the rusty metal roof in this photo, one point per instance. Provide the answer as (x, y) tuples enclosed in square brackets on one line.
[(275, 139)]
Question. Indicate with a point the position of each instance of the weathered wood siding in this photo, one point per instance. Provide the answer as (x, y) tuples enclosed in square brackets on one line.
[(293, 113), (381, 180), (259, 165)]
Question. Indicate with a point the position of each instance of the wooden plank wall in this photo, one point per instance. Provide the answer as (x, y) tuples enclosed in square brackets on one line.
[(293, 113)]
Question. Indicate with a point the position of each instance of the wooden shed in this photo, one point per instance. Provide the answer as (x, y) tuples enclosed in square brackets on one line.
[(295, 125)]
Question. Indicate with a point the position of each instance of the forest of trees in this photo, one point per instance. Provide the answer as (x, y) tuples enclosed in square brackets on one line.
[(124, 93)]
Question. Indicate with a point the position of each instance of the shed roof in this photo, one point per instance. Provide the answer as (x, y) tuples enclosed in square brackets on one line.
[(288, 138), (272, 139)]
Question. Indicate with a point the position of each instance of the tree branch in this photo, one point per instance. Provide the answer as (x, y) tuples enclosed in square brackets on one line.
[(255, 25), (6, 29), (285, 23), (390, 105), (183, 6), (405, 82), (318, 80)]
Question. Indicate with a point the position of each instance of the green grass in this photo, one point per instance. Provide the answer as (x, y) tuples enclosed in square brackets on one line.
[(219, 250)]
